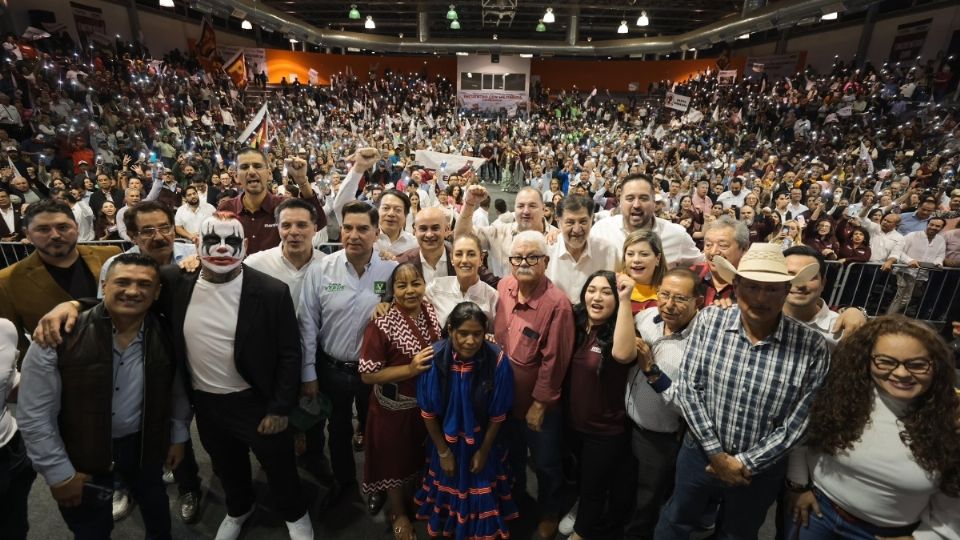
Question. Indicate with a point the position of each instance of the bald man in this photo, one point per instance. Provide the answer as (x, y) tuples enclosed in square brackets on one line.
[(432, 255)]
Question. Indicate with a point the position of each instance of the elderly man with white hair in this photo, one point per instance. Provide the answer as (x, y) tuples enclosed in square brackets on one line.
[(534, 325)]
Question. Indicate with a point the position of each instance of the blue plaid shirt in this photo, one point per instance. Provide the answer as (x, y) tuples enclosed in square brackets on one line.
[(750, 401)]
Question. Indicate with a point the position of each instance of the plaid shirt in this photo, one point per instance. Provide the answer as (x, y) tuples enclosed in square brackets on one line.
[(750, 401)]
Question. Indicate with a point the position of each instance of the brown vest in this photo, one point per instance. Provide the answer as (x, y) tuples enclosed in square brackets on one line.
[(86, 397)]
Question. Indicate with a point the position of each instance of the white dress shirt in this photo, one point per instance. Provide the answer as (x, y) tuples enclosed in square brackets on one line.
[(430, 272), (728, 199), (823, 322), (883, 245), (84, 216), (916, 247), (678, 248), (404, 242), (497, 239), (9, 218), (190, 218), (274, 264), (570, 275), (444, 293)]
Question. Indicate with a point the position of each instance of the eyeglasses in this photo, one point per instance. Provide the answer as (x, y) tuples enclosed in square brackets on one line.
[(663, 297), (152, 231), (531, 260), (917, 366)]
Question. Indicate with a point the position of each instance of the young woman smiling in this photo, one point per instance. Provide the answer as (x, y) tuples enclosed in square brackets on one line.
[(644, 263)]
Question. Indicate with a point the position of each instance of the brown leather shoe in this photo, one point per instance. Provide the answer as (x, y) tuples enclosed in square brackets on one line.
[(547, 528)]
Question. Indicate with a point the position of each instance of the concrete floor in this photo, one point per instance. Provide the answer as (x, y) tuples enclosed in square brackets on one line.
[(348, 520)]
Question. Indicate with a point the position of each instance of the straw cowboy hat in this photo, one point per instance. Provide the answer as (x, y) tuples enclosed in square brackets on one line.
[(765, 263)]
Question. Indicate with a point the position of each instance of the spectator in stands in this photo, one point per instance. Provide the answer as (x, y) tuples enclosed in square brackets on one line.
[(917, 221), (105, 226), (821, 237), (11, 226), (604, 350), (735, 196), (921, 251), (889, 398), (189, 216), (57, 271), (106, 192), (83, 213), (722, 458), (730, 239), (63, 430), (254, 207), (856, 248), (533, 324)]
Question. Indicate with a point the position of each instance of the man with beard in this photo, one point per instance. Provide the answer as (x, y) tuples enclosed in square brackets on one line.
[(637, 211), (81, 212), (190, 215), (498, 237), (244, 371), (575, 256), (255, 206), (107, 192), (57, 271)]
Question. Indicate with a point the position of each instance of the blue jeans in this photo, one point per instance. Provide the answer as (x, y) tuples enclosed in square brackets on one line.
[(832, 526), (743, 508), (545, 445)]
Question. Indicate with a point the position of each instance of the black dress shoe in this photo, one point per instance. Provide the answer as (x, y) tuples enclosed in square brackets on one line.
[(375, 502), (188, 505)]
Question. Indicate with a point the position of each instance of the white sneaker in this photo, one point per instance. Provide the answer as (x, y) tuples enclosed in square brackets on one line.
[(122, 505), (566, 524), (230, 526), (301, 529)]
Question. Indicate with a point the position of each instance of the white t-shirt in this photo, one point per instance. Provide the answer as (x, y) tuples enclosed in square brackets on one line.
[(190, 219), (210, 328)]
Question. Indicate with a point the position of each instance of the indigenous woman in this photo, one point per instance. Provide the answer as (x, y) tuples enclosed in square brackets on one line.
[(464, 398), (882, 454), (644, 262), (603, 351), (395, 350)]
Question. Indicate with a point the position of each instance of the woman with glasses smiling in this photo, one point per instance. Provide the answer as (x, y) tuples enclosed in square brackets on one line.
[(882, 455)]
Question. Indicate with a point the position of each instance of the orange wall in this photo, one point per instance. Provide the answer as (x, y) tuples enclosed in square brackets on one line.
[(614, 75)]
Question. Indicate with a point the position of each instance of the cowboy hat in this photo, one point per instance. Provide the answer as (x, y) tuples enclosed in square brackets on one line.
[(765, 263)]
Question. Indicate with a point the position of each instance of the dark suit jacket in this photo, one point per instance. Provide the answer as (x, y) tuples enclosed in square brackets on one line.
[(413, 256), (17, 229), (28, 291), (267, 340)]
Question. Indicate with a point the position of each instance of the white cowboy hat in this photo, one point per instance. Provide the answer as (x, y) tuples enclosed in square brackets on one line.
[(765, 263)]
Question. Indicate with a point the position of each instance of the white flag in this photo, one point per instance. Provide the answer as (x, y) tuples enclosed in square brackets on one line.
[(865, 156)]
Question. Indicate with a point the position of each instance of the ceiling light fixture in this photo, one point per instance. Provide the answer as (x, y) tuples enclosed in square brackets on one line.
[(461, 53), (166, 3), (623, 28), (294, 40), (369, 24), (526, 55), (548, 16), (832, 16), (454, 24), (452, 14), (354, 13), (540, 26), (643, 20), (494, 37), (744, 36), (246, 25)]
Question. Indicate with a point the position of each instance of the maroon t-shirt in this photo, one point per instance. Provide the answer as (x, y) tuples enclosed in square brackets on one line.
[(597, 403)]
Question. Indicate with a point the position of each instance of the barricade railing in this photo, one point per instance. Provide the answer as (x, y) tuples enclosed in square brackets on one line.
[(925, 293)]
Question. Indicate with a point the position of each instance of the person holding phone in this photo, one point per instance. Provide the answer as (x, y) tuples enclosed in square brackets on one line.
[(396, 349)]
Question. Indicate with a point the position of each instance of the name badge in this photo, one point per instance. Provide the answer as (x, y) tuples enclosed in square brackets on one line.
[(379, 288), (335, 287)]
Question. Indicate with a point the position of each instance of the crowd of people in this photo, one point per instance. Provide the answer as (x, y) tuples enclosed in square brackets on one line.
[(645, 330)]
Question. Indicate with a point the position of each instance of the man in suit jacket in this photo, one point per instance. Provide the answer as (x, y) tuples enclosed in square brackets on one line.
[(57, 271), (11, 229), (432, 256)]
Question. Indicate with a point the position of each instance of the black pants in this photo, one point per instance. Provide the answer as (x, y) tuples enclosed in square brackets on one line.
[(607, 474), (16, 478), (343, 387), (93, 518), (187, 474), (656, 455), (227, 424)]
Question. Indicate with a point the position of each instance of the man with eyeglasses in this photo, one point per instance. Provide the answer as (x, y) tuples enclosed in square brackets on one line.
[(651, 394), (57, 271), (747, 380), (534, 325)]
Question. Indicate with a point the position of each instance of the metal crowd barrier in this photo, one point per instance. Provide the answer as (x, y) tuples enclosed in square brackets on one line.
[(865, 285)]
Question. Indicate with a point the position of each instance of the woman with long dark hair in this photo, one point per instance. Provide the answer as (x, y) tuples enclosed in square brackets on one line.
[(396, 349), (882, 454), (464, 398), (604, 349)]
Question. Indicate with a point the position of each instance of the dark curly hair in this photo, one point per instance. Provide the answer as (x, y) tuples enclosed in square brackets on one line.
[(843, 405)]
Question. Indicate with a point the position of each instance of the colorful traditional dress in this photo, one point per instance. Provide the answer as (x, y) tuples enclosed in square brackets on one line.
[(466, 395), (395, 432)]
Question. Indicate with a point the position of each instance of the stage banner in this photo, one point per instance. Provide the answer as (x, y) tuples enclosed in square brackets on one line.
[(89, 20), (908, 41), (776, 67), (491, 100), (676, 102)]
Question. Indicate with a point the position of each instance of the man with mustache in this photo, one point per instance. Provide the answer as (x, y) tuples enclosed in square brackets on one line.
[(58, 270), (533, 323), (576, 256), (637, 211)]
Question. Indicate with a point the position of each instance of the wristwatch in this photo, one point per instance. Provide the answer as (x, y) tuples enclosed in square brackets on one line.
[(653, 374)]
